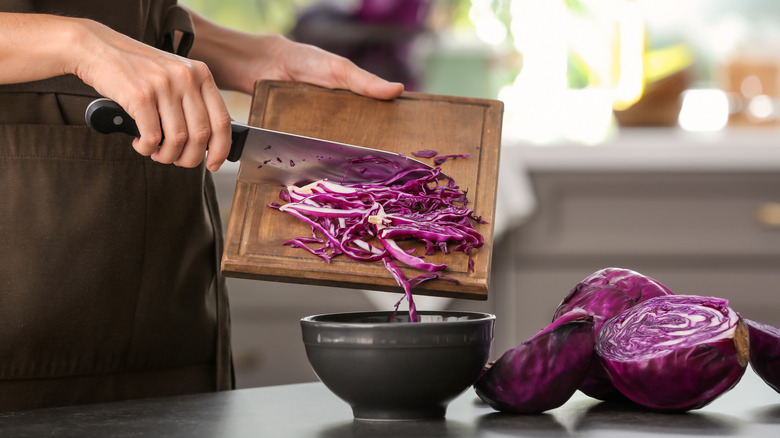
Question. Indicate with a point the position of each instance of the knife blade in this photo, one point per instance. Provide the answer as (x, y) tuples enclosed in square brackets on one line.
[(269, 156)]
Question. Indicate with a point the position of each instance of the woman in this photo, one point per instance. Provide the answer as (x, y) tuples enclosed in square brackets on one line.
[(109, 286)]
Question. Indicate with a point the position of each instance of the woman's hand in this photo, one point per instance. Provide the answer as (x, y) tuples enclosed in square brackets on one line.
[(168, 93), (155, 87), (163, 92), (238, 60)]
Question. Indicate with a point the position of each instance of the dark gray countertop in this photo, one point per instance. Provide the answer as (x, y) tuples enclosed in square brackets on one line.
[(752, 409)]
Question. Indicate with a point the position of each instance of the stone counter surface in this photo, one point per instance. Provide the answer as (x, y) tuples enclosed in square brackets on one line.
[(751, 409)]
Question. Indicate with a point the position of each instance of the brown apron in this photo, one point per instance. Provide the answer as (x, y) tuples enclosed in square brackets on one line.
[(109, 283)]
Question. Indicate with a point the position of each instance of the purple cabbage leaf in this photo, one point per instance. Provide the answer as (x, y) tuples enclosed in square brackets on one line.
[(442, 158), (543, 372), (765, 352), (425, 153)]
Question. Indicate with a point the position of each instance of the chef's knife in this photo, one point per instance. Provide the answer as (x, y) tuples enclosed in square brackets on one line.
[(276, 157)]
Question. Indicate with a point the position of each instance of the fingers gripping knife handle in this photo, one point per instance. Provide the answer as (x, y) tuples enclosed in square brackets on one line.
[(107, 117)]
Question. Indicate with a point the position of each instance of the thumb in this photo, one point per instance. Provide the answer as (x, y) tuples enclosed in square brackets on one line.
[(371, 85)]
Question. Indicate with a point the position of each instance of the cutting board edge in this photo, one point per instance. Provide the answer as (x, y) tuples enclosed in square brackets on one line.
[(471, 288)]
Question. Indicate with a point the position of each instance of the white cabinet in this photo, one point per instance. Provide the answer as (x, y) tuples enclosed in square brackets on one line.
[(696, 232)]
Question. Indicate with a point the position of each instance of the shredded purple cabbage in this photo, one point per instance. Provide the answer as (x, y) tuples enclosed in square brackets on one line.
[(442, 158), (366, 221), (426, 153)]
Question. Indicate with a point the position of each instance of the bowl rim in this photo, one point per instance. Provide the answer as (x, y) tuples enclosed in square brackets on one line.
[(481, 317)]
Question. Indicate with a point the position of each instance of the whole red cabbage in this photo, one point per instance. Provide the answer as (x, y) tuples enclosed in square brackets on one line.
[(604, 294), (674, 352), (765, 352), (543, 372), (609, 291)]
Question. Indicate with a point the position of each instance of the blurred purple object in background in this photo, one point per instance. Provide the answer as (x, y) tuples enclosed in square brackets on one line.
[(377, 35)]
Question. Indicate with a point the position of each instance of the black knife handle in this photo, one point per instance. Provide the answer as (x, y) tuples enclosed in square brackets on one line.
[(106, 116), (239, 134)]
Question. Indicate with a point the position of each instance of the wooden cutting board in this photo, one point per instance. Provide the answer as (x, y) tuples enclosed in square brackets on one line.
[(450, 125)]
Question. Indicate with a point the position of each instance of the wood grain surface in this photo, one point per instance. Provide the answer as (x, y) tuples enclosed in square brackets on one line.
[(414, 121)]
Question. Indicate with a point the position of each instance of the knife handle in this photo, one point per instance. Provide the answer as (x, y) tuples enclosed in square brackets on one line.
[(107, 117), (239, 134)]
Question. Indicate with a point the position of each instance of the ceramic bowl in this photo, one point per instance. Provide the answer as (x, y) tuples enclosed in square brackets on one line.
[(398, 370)]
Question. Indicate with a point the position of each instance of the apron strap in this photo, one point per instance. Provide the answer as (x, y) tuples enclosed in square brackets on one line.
[(67, 84), (17, 5), (177, 28)]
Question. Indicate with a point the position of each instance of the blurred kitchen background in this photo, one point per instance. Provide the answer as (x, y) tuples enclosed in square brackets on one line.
[(641, 134)]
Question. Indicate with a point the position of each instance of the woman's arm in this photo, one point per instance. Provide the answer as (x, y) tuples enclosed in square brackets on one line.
[(29, 53), (238, 59), (162, 90), (155, 87)]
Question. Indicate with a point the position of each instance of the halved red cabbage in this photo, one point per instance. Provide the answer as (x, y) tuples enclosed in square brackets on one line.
[(604, 294), (543, 372), (765, 352), (365, 222), (674, 352)]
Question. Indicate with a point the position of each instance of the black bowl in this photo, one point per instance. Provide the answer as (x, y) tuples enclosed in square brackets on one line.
[(398, 370)]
